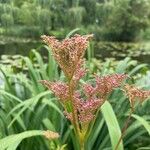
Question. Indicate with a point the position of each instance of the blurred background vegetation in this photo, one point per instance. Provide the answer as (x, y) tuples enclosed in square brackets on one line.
[(121, 44), (109, 20), (22, 22)]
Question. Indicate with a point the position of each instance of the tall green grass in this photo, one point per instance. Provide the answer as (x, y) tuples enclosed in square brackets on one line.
[(26, 108)]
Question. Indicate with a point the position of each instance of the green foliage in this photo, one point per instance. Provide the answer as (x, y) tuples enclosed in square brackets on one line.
[(44, 19), (90, 10), (27, 14), (114, 20), (7, 20), (25, 105), (75, 16), (18, 3), (145, 35), (124, 20), (113, 126), (11, 142)]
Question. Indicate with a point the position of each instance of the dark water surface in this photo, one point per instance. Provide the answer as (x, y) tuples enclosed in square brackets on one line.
[(16, 46), (120, 50), (102, 50)]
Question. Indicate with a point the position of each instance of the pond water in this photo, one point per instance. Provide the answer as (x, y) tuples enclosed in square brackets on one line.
[(102, 50), (17, 46), (120, 50)]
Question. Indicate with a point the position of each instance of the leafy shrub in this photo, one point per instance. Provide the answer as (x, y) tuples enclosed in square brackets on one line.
[(7, 20), (124, 22), (118, 20), (75, 16)]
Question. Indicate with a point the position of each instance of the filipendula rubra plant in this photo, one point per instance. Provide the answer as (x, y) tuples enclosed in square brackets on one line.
[(81, 102)]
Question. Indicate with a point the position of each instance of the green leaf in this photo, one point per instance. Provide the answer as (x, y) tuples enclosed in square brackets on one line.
[(143, 148), (72, 32), (121, 67), (26, 105), (112, 124), (11, 97), (11, 142), (145, 123), (137, 68)]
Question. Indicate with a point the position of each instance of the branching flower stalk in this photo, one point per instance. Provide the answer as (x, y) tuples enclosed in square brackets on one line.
[(124, 128), (134, 94), (81, 102)]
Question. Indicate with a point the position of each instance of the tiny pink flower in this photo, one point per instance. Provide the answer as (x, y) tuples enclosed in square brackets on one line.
[(91, 105), (89, 90), (60, 89), (86, 119), (68, 115)]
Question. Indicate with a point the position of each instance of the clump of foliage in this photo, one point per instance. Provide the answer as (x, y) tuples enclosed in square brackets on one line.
[(114, 20), (27, 110), (125, 20)]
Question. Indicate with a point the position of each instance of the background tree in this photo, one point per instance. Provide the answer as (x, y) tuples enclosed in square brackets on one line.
[(113, 20)]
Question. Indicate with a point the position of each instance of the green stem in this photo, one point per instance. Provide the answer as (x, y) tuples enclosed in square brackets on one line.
[(80, 136), (82, 141), (124, 128), (82, 146), (91, 127), (74, 115)]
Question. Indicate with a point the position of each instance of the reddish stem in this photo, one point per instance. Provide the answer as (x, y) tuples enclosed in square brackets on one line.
[(124, 128)]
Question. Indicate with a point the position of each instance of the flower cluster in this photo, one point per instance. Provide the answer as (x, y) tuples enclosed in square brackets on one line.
[(60, 89), (89, 90), (79, 72), (69, 55), (88, 108), (106, 84), (135, 93), (95, 96), (68, 52), (85, 109), (51, 135)]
